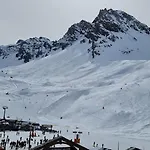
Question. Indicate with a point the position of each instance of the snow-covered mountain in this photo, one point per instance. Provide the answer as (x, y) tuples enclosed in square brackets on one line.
[(96, 76), (113, 35), (114, 96)]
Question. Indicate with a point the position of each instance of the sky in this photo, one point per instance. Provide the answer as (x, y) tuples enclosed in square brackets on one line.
[(22, 19)]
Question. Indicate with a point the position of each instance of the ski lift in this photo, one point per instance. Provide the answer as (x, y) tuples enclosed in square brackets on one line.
[(77, 136), (80, 132)]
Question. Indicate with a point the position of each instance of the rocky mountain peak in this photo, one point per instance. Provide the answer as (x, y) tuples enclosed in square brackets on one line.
[(116, 20), (106, 29), (106, 23), (77, 30)]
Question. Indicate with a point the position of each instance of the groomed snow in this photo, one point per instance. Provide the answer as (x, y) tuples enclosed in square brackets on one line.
[(69, 85)]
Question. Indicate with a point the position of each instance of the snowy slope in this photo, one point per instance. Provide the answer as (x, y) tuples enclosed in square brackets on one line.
[(76, 89)]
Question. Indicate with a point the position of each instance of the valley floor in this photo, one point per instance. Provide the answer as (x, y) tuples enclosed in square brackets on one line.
[(109, 140)]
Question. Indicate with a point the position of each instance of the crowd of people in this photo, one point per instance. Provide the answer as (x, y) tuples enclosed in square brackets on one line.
[(33, 139)]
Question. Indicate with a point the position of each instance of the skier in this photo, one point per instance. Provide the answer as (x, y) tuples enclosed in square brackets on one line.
[(93, 144)]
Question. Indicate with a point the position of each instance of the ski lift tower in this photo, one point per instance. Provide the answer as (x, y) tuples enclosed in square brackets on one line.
[(4, 108), (29, 147)]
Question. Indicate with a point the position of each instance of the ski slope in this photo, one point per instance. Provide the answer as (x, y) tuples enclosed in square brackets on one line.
[(108, 96), (109, 140), (69, 85)]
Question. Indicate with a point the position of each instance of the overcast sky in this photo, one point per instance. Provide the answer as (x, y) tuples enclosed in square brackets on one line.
[(21, 19)]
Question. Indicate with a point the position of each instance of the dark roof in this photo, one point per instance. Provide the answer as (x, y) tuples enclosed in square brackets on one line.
[(104, 149), (59, 140), (133, 148)]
